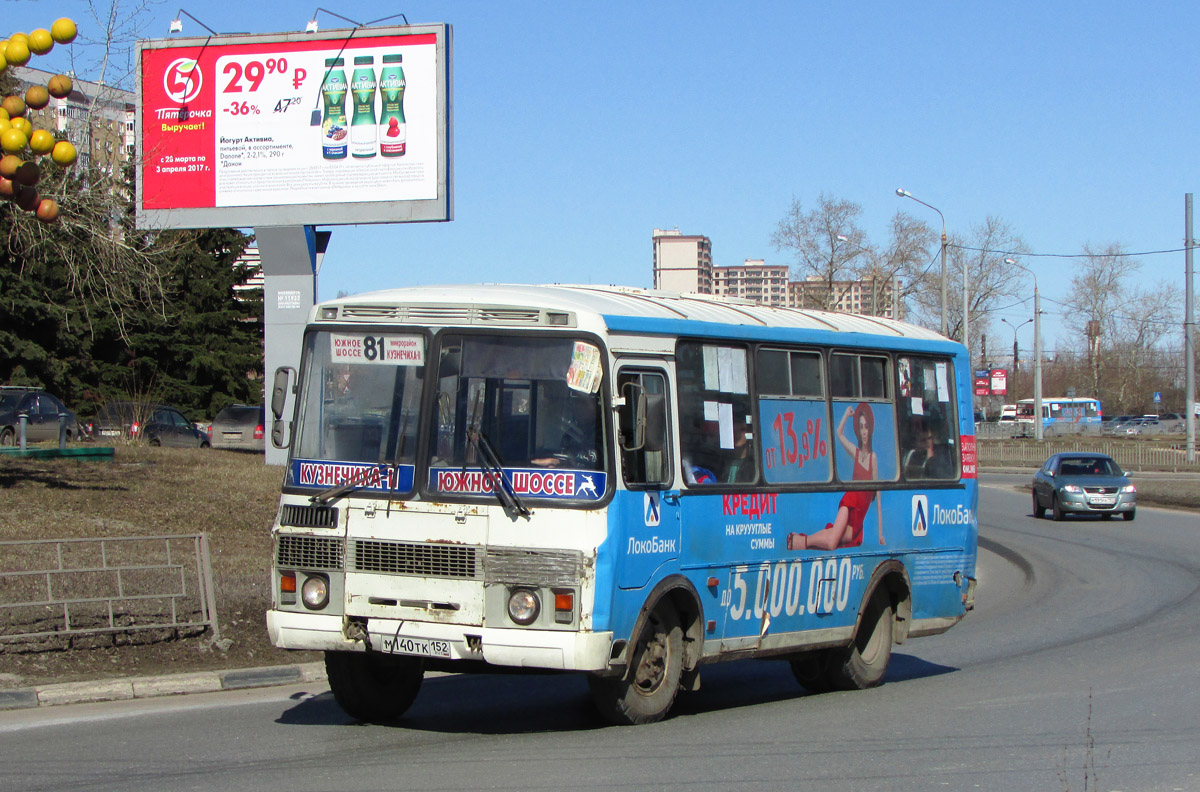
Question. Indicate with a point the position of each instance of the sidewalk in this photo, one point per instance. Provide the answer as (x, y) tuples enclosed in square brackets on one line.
[(167, 685)]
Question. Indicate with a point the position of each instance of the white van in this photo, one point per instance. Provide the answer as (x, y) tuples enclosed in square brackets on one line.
[(1008, 413)]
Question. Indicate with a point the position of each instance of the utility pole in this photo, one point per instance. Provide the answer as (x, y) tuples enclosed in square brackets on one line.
[(1189, 330)]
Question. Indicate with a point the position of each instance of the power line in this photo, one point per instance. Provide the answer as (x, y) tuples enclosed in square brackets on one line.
[(1066, 255)]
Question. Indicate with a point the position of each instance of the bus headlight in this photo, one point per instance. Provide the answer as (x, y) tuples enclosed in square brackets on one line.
[(315, 592), (523, 606)]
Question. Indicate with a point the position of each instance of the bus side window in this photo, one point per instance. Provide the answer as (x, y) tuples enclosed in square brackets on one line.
[(928, 427), (644, 463)]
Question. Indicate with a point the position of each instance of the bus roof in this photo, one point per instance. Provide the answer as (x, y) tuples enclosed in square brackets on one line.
[(515, 305)]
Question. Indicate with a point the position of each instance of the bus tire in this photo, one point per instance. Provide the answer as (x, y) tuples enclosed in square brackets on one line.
[(863, 663), (374, 687), (811, 670), (647, 690), (1039, 510)]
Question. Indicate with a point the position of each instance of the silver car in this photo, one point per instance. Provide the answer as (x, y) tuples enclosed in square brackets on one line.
[(1083, 483)]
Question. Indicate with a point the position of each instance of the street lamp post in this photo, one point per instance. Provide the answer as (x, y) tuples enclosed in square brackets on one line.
[(903, 193), (1037, 352), (1015, 328)]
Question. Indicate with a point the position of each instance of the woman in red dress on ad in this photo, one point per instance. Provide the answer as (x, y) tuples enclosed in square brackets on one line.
[(846, 530)]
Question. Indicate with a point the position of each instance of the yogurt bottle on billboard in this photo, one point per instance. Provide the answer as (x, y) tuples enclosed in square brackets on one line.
[(334, 132), (362, 120), (392, 131)]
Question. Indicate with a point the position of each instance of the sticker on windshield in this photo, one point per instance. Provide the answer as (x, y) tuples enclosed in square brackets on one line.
[(586, 368), (366, 477), (535, 483), (392, 350)]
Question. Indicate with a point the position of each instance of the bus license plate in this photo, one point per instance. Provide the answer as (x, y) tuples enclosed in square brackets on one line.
[(424, 647), (1103, 501)]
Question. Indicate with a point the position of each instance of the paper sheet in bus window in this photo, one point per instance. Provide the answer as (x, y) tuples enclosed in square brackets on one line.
[(918, 406), (943, 383), (725, 423), (586, 370), (731, 370)]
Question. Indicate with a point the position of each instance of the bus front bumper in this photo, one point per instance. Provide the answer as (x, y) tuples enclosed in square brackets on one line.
[(550, 649)]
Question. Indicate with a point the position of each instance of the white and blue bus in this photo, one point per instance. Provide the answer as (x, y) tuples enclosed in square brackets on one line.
[(1063, 415), (625, 483)]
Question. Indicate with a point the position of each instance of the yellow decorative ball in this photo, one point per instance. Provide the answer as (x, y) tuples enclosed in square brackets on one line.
[(63, 153), (17, 53), (13, 140), (40, 41), (41, 141), (63, 30)]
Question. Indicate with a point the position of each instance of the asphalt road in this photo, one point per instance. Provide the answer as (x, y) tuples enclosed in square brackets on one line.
[(1077, 671)]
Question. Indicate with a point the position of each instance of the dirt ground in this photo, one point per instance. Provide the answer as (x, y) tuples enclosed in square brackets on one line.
[(151, 491)]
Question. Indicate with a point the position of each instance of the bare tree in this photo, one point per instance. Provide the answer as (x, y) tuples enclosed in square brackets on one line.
[(906, 260), (1097, 292), (826, 242)]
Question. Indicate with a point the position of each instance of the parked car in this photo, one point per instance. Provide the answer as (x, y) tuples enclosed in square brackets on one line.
[(42, 411), (1083, 483), (1172, 423), (1146, 425), (240, 426), (157, 424)]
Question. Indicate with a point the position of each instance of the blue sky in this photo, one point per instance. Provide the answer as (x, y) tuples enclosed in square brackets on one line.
[(581, 127)]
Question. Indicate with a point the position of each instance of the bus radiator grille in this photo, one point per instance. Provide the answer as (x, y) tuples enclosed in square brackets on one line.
[(416, 559), (308, 552)]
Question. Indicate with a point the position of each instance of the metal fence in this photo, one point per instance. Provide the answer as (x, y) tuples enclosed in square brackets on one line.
[(51, 588), (1131, 455)]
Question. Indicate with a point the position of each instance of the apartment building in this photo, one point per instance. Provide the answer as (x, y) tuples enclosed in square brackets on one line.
[(868, 297), (754, 280), (682, 262)]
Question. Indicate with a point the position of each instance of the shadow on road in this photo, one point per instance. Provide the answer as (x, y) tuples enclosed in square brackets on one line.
[(531, 703)]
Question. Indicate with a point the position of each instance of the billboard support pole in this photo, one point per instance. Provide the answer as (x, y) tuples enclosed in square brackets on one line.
[(291, 258)]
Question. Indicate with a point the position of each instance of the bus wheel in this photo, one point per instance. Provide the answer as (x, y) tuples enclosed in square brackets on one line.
[(646, 692), (812, 670), (373, 687), (863, 663)]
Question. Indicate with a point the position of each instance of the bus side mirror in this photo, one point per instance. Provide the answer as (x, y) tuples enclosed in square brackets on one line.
[(279, 392), (633, 417)]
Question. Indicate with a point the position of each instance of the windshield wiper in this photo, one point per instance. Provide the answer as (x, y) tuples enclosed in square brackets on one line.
[(333, 493), (489, 463)]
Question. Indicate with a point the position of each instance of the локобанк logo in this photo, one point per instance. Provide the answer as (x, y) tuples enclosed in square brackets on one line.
[(183, 79), (652, 511), (920, 515)]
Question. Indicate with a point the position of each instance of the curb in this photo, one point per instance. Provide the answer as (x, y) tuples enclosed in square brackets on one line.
[(150, 687)]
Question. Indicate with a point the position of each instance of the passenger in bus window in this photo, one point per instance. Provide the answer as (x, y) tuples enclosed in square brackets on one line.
[(740, 466), (846, 530)]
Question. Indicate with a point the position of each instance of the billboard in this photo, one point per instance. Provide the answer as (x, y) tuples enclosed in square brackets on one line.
[(329, 128), (999, 382)]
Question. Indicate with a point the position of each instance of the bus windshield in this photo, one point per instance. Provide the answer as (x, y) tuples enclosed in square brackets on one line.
[(533, 402), (360, 398)]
